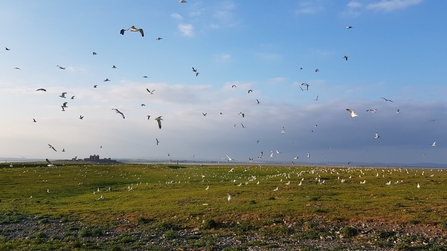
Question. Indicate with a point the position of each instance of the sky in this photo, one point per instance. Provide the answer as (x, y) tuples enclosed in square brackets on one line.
[(396, 50)]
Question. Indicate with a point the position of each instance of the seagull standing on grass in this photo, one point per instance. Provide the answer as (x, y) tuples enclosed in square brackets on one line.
[(118, 111), (353, 114), (229, 197)]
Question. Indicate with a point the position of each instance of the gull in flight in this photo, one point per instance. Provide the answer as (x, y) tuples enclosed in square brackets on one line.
[(353, 114), (233, 86), (54, 149), (305, 85), (283, 130), (204, 114), (157, 141), (6, 48), (113, 67), (182, 1), (159, 119), (81, 117), (17, 68), (308, 154), (434, 144), (94, 53), (389, 100), (377, 136), (193, 69), (106, 80), (242, 125), (63, 95), (159, 38), (398, 111), (148, 117), (257, 101), (242, 114), (72, 97), (250, 90), (41, 89), (133, 29), (261, 154), (63, 106), (60, 67), (34, 120), (49, 163), (349, 27), (316, 70), (229, 158), (316, 99), (150, 92), (372, 110), (345, 57), (118, 111)]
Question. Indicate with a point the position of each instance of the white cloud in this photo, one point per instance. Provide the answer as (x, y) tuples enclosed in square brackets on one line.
[(391, 5), (223, 57), (186, 29), (354, 4), (269, 56), (309, 7), (176, 16)]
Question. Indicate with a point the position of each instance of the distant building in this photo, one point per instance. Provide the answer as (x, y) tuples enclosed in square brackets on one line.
[(96, 158)]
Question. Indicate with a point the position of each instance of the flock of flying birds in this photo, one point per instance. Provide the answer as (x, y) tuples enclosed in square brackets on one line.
[(133, 29)]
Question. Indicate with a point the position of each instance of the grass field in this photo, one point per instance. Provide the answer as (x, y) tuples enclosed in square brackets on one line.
[(265, 199)]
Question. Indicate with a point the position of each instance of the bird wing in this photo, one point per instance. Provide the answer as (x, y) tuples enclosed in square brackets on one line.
[(122, 31), (142, 32), (159, 123)]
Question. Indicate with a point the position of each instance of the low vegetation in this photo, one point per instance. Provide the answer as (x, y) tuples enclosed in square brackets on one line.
[(154, 207)]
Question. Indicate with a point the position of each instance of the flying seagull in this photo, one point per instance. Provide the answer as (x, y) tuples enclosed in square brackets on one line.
[(133, 29), (157, 141), (204, 113), (159, 119), (353, 115), (17, 68), (283, 130), (118, 111), (377, 136), (182, 1), (345, 57), (114, 66), (434, 144), (63, 95), (34, 120), (250, 90), (257, 101), (41, 89), (148, 117), (349, 27), (233, 86), (60, 67), (6, 48), (81, 117), (72, 97), (151, 92), (64, 105), (261, 154), (193, 69), (106, 80), (52, 147), (305, 85), (49, 163), (159, 38), (242, 114), (389, 100)]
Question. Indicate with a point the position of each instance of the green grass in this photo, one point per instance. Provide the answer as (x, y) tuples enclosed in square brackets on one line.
[(166, 198)]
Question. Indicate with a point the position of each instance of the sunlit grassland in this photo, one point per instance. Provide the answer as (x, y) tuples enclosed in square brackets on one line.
[(162, 193)]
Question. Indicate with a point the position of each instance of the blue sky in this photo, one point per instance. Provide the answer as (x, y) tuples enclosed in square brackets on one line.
[(396, 50)]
